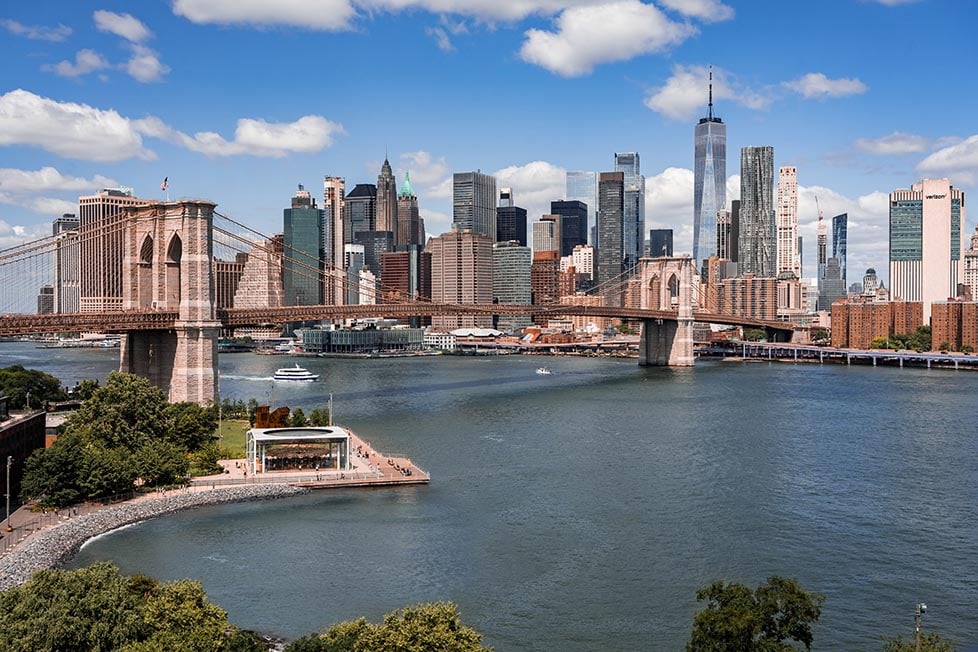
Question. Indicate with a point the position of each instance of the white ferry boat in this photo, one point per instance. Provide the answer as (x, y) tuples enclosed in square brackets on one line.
[(296, 373)]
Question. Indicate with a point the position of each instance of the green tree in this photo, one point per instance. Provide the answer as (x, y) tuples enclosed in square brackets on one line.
[(128, 411), (189, 425), (944, 347), (53, 474), (161, 463), (298, 418), (880, 343), (929, 642), (737, 618), (819, 335), (16, 382), (252, 410), (967, 348), (85, 389), (106, 471), (319, 417), (204, 461), (182, 620), (754, 334)]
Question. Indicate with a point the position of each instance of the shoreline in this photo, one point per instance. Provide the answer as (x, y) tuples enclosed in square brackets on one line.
[(52, 547)]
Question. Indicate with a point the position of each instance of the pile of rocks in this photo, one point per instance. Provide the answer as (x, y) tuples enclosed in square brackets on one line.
[(56, 545)]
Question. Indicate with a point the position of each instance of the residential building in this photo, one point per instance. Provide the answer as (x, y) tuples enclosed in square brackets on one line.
[(855, 324), (748, 296), (304, 251), (573, 223), (474, 203), (611, 255), (582, 322), (461, 272), (353, 264), (227, 278), (334, 206), (633, 216), (709, 180), (926, 237), (510, 219), (660, 243), (789, 261), (954, 323), (758, 233), (582, 259), (839, 242), (511, 281)]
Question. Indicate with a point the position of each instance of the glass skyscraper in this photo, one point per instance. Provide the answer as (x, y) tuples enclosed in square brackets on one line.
[(583, 186), (302, 261), (611, 207), (709, 181), (474, 203), (758, 230), (839, 228), (573, 224), (633, 225)]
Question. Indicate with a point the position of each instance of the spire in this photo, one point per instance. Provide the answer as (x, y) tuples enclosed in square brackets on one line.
[(385, 169), (406, 189), (711, 94)]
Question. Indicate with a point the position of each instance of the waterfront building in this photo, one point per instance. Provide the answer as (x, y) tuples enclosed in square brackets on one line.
[(386, 200), (709, 180), (787, 222), (410, 228), (855, 324), (611, 255), (660, 243), (438, 340), (758, 232), (474, 203), (926, 237), (334, 205), (360, 211), (583, 186), (970, 275), (511, 281), (67, 264), (573, 223), (302, 262), (510, 219), (954, 323), (227, 278), (260, 284), (840, 239), (461, 272), (633, 215), (102, 247), (748, 296)]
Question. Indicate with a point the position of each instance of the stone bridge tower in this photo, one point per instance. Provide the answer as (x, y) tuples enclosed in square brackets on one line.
[(667, 284), (169, 250)]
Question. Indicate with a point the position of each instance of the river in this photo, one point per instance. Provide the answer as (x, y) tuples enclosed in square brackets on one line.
[(582, 510)]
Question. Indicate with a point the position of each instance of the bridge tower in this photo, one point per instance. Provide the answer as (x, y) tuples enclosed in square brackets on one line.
[(169, 249), (667, 284)]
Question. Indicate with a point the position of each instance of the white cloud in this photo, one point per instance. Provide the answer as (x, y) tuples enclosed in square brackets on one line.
[(424, 168), (894, 3), (328, 15), (310, 133), (14, 181), (442, 189), (709, 11), (86, 61), (817, 85), (435, 222), (896, 143), (441, 38), (686, 92), (669, 205), (12, 235), (68, 129), (591, 35), (534, 185), (145, 66), (959, 162), (124, 25), (37, 32)]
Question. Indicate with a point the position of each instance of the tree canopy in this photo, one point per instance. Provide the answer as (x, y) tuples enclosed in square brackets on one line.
[(737, 618), (929, 642), (16, 382)]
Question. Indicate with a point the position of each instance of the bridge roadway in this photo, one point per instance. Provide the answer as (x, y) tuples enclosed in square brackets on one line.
[(144, 320)]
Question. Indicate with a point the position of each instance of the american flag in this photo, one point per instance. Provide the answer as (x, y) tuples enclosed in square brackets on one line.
[(163, 185)]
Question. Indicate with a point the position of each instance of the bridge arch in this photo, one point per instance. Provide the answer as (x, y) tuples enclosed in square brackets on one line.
[(174, 256)]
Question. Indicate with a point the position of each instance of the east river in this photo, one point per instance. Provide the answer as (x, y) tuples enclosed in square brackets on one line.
[(582, 510)]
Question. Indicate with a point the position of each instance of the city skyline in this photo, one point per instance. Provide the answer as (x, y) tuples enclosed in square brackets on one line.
[(96, 96)]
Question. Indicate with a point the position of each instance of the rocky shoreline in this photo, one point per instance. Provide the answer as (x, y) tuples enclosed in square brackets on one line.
[(54, 546)]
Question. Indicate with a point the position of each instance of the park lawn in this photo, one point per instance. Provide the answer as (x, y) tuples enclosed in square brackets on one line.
[(232, 437)]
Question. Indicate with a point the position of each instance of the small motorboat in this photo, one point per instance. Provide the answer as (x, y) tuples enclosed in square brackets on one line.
[(297, 374), (543, 371)]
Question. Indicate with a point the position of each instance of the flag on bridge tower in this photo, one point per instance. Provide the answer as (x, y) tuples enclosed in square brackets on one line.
[(163, 185)]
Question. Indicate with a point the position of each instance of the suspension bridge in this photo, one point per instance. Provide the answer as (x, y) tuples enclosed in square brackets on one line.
[(149, 273)]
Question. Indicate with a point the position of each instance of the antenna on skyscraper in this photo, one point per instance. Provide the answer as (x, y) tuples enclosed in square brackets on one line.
[(711, 93)]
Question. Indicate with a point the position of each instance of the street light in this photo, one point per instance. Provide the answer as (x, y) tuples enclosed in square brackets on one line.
[(10, 460), (918, 612)]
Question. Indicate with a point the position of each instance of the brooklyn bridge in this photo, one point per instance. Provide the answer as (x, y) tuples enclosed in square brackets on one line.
[(160, 295)]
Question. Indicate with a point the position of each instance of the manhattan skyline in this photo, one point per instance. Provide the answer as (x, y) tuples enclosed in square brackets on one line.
[(238, 106)]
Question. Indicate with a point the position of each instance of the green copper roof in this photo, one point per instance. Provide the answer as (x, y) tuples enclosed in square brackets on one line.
[(406, 189)]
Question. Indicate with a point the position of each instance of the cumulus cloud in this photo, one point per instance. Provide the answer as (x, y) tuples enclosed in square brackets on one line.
[(86, 61), (534, 185), (709, 11), (958, 162), (253, 137), (68, 129), (49, 206), (124, 25), (895, 143), (686, 92), (424, 168), (46, 179), (669, 205), (37, 32), (145, 65), (591, 35), (817, 85), (327, 15)]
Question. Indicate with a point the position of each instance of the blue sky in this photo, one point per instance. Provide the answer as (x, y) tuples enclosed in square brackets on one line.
[(237, 101)]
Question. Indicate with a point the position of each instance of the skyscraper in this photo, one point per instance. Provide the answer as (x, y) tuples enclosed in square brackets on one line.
[(787, 220), (583, 186), (386, 199), (709, 180), (839, 237), (334, 189), (461, 272), (66, 264), (302, 262), (758, 232), (474, 203), (511, 263), (926, 235), (611, 255), (546, 233), (633, 226), (573, 224), (510, 219), (660, 242), (409, 228), (360, 211)]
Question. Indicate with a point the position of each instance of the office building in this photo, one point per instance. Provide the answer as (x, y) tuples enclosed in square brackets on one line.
[(583, 186), (926, 237), (510, 219), (227, 278), (45, 300), (709, 180), (546, 233), (871, 282), (833, 287), (839, 238), (611, 189), (410, 227), (360, 211), (511, 281), (302, 261), (573, 223), (660, 243), (633, 216), (67, 264), (353, 264), (461, 272), (375, 245), (474, 203), (406, 274), (102, 247), (970, 278), (386, 200), (758, 233), (789, 261)]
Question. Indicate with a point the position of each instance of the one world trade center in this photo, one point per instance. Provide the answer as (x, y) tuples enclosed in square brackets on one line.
[(709, 181)]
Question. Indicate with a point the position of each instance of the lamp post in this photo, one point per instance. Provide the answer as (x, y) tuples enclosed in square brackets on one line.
[(10, 461), (918, 612)]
